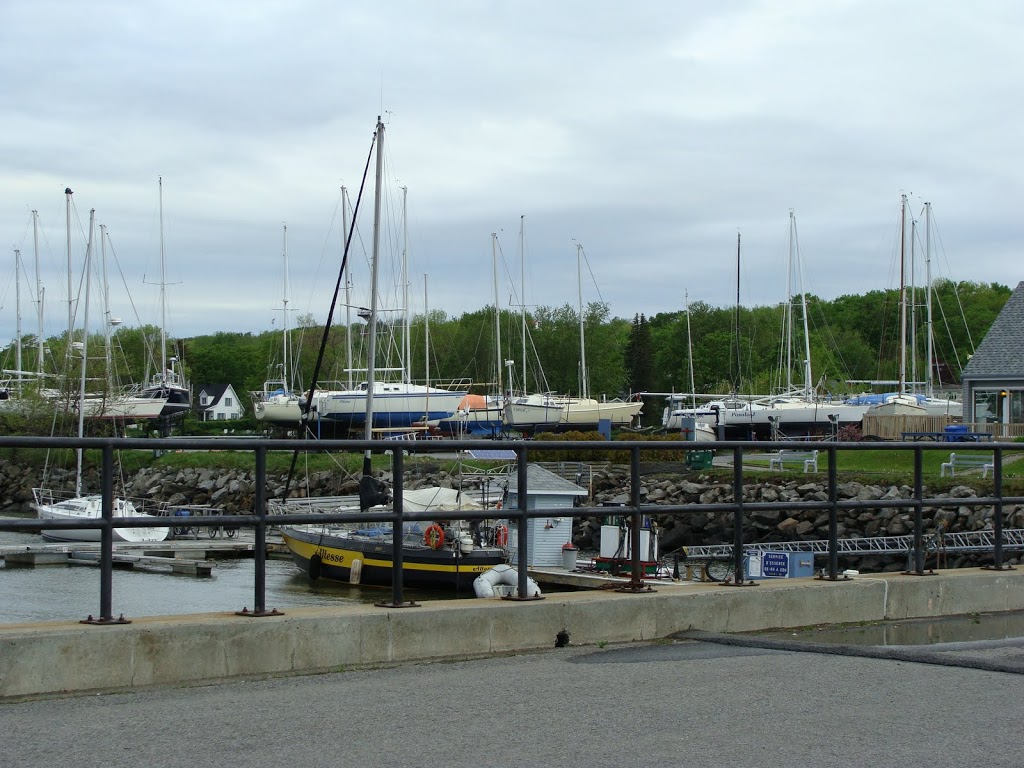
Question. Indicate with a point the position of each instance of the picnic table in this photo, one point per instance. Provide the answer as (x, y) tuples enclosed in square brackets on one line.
[(947, 437)]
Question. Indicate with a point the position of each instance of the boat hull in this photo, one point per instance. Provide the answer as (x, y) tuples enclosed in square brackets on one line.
[(332, 556), (394, 406), (82, 508)]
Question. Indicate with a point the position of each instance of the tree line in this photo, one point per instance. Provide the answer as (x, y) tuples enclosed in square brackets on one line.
[(744, 349)]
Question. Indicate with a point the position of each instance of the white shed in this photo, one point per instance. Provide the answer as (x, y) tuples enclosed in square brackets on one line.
[(545, 536)]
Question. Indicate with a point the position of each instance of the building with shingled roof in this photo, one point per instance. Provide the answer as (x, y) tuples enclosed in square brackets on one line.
[(993, 380)]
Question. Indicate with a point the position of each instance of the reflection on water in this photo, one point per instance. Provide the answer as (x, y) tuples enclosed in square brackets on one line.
[(952, 629), (62, 592)]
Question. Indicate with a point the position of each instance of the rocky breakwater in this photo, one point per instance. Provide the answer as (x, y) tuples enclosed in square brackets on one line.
[(232, 491), (782, 524)]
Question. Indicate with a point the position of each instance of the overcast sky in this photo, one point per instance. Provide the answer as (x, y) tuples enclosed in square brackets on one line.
[(649, 133)]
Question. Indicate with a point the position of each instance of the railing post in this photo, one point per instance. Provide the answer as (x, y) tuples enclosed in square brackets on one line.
[(997, 513), (107, 542), (918, 569), (522, 586), (636, 582), (260, 532), (398, 534), (738, 580), (833, 515)]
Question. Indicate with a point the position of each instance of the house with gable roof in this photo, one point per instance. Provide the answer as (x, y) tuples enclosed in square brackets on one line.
[(218, 402), (993, 379)]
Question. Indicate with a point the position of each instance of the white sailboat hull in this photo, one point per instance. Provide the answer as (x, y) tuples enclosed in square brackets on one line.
[(53, 506), (397, 404)]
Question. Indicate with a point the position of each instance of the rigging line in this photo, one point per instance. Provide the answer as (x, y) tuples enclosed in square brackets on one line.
[(330, 313)]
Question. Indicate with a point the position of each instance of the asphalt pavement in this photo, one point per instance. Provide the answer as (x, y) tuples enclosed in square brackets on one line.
[(692, 702)]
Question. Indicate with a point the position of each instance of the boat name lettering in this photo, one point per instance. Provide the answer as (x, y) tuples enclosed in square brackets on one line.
[(328, 556)]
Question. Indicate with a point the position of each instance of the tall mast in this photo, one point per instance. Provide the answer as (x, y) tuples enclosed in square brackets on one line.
[(372, 344), (736, 383), (287, 362), (67, 215), (522, 284), (808, 379), (689, 350), (584, 384), (163, 289), (39, 292), (930, 378), (407, 329), (108, 320), (497, 311), (17, 311), (85, 347), (789, 310), (903, 295), (912, 323), (426, 348), (348, 287)]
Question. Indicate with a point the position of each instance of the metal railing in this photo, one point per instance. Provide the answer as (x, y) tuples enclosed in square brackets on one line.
[(635, 510)]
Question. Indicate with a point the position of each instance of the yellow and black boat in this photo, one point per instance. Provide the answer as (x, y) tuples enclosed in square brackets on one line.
[(434, 554)]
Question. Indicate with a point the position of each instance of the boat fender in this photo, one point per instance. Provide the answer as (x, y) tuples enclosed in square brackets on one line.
[(315, 564), (433, 537), (483, 585), (501, 536)]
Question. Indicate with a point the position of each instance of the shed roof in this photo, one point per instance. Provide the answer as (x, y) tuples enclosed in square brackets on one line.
[(540, 480), (999, 355)]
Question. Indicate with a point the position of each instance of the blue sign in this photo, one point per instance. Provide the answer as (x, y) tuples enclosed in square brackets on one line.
[(775, 564)]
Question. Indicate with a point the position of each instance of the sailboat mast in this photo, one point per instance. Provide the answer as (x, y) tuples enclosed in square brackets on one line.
[(522, 283), (107, 318), (497, 311), (407, 325), (583, 347), (163, 290), (85, 347), (930, 343), (67, 216), (17, 311), (689, 350), (426, 348), (789, 310), (39, 292), (286, 359), (912, 323), (374, 261), (348, 286), (808, 377), (903, 295), (736, 382)]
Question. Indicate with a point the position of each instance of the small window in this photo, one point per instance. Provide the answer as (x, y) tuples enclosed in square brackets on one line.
[(227, 402)]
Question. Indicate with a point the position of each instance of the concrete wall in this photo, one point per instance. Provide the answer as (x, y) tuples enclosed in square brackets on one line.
[(60, 657)]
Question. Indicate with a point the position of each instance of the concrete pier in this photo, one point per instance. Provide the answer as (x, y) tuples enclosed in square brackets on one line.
[(62, 657)]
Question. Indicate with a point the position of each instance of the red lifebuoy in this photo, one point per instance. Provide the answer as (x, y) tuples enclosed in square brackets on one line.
[(501, 536), (433, 537)]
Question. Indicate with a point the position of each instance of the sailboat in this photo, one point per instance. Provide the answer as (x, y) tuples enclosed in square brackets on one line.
[(170, 382), (277, 402), (586, 412), (441, 553), (482, 414), (798, 409), (397, 405), (528, 413), (905, 401), (51, 504)]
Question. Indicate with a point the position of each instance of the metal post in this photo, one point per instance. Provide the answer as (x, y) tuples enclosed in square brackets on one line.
[(833, 516), (260, 552), (397, 534), (997, 513), (918, 566), (107, 543), (738, 580), (636, 582), (522, 589)]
